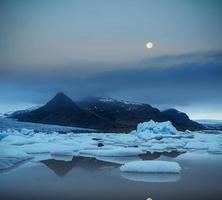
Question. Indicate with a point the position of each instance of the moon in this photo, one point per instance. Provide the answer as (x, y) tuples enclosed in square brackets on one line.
[(149, 45)]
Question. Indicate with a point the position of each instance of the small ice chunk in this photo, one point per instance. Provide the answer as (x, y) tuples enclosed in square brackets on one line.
[(151, 167)]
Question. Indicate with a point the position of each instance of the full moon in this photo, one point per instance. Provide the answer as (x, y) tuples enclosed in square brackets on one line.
[(149, 45)]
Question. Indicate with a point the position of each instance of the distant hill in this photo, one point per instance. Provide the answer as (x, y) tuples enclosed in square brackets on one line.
[(105, 114), (181, 120)]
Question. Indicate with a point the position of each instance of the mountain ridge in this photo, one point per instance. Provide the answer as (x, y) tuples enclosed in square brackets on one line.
[(103, 113)]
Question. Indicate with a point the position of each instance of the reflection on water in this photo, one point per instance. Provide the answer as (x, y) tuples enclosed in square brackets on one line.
[(61, 167), (151, 178), (89, 178), (155, 155)]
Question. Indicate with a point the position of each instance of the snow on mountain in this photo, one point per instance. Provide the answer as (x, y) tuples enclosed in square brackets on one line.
[(109, 99)]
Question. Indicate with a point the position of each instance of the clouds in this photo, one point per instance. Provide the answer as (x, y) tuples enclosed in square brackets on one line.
[(98, 48), (167, 81), (189, 82)]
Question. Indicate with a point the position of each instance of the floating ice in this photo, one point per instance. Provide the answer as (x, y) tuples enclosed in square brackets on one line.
[(63, 152), (10, 156), (215, 149), (151, 129), (17, 140), (119, 160), (151, 167), (118, 148), (119, 152)]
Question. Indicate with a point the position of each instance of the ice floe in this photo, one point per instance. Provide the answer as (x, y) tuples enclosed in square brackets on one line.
[(151, 167), (119, 152), (10, 156), (149, 137)]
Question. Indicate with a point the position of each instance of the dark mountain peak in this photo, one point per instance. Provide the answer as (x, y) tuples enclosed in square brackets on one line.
[(62, 110), (60, 96), (60, 99), (103, 113)]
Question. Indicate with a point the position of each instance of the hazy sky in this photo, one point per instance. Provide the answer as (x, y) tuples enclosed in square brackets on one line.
[(98, 48)]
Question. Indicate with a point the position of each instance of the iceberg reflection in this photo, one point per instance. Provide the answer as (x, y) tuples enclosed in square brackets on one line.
[(151, 178)]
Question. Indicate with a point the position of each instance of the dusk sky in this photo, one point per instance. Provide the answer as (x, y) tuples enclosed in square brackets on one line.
[(98, 47)]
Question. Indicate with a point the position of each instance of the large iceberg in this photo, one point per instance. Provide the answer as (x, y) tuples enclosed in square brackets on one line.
[(150, 130), (151, 167)]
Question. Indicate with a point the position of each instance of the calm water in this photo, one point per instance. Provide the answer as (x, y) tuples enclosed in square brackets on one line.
[(88, 178)]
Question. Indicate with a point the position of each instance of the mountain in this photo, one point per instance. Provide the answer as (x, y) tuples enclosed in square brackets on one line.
[(62, 110), (125, 115), (181, 120), (102, 113), (12, 113)]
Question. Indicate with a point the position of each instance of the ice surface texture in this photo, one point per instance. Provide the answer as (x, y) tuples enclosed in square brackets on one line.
[(151, 167)]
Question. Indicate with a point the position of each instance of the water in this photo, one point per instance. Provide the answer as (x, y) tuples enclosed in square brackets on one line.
[(88, 178)]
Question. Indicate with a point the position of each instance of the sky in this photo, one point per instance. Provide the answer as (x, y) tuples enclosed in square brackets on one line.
[(98, 48)]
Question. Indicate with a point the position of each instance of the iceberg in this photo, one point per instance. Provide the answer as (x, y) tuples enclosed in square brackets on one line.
[(154, 130), (151, 167)]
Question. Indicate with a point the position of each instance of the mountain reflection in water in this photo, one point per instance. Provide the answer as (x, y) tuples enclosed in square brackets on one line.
[(62, 167)]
